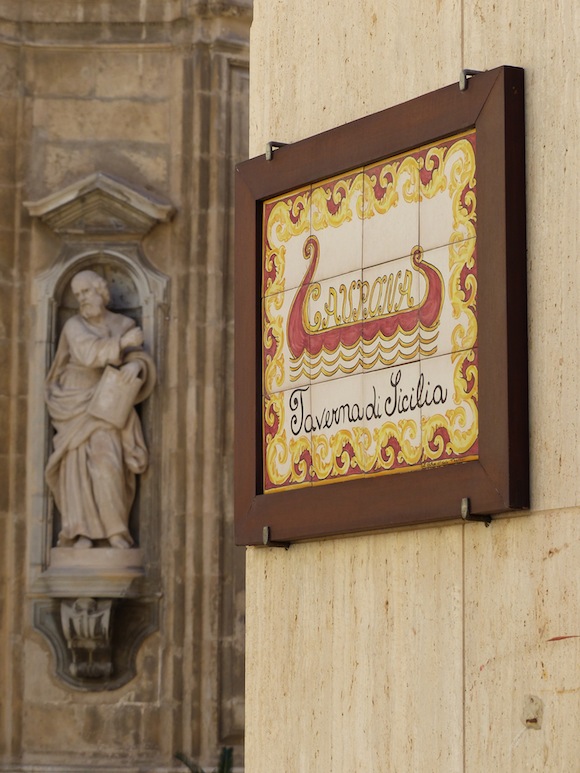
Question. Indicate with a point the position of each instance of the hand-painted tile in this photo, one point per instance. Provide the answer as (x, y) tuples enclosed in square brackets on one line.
[(391, 210), (391, 298), (286, 228), (447, 205), (449, 415), (336, 420), (282, 368), (336, 215), (393, 418), (333, 321), (369, 326), (448, 289), (287, 438)]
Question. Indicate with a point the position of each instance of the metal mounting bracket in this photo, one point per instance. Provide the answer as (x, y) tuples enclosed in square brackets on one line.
[(271, 146), (464, 75), (467, 516), (267, 542)]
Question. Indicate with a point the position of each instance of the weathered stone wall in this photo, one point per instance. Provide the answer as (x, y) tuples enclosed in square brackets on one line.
[(12, 395), (154, 93), (418, 651)]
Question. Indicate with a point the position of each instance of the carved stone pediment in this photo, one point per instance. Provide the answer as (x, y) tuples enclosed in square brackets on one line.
[(101, 205)]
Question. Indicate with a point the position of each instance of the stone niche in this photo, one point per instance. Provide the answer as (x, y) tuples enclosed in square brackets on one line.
[(96, 606)]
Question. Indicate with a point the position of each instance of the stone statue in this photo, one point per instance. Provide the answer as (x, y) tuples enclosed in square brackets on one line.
[(99, 373)]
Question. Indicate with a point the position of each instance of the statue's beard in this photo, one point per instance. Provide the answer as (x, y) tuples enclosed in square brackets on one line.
[(90, 310)]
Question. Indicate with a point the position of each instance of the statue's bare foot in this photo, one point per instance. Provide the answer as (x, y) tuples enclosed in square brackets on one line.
[(83, 542), (118, 541)]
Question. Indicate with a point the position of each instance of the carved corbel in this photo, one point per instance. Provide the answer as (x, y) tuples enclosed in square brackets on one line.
[(86, 625), (95, 641)]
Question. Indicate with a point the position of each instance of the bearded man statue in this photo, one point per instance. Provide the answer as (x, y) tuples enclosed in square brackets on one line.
[(99, 373)]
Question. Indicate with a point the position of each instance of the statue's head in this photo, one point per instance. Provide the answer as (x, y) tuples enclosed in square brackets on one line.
[(92, 293)]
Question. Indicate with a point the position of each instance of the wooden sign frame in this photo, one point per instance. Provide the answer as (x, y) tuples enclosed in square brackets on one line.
[(498, 480)]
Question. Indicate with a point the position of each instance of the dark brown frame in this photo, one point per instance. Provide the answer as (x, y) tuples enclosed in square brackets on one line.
[(498, 481)]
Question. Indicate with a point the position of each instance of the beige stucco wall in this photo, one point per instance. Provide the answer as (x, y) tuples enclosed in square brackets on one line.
[(417, 651)]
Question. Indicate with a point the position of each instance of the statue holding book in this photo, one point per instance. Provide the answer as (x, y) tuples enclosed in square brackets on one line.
[(100, 372)]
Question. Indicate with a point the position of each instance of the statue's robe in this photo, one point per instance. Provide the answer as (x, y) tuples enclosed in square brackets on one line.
[(92, 469)]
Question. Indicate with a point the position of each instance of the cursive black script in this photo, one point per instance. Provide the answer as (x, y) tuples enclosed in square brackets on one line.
[(419, 396), (346, 413), (399, 400)]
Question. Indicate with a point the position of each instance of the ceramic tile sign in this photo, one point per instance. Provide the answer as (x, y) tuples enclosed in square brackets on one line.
[(369, 321), (381, 350)]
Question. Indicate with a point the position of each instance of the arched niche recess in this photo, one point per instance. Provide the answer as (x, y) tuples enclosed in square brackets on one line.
[(137, 292), (102, 221), (113, 593)]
